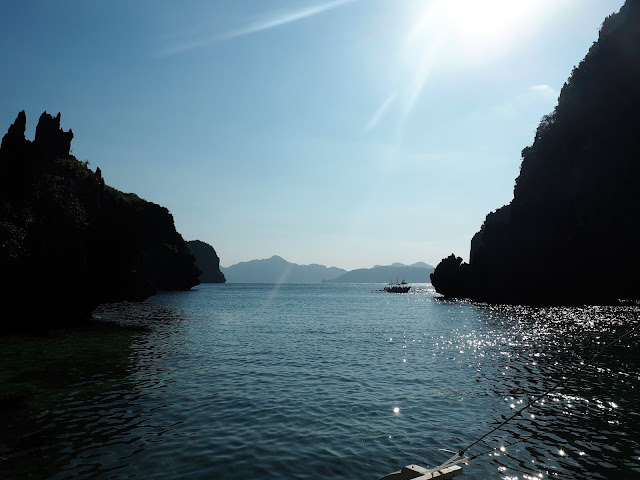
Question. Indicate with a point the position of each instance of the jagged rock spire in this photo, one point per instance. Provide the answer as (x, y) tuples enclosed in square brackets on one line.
[(50, 139), (14, 138)]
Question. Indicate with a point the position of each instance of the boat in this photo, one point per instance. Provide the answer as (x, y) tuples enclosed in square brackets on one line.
[(451, 468), (447, 470), (420, 473), (398, 287)]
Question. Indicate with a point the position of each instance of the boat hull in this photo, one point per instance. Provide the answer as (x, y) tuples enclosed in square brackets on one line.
[(394, 289), (420, 473)]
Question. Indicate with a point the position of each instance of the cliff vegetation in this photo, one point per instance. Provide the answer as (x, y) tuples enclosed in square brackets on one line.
[(576, 205), (69, 242)]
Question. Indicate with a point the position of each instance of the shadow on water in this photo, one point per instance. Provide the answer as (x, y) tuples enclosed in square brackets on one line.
[(68, 400)]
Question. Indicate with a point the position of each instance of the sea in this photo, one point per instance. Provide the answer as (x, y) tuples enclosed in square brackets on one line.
[(323, 381)]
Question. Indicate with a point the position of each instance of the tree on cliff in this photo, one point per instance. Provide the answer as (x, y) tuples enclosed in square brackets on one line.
[(576, 203), (68, 242)]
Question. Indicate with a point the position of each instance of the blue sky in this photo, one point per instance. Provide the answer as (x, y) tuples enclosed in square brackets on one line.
[(345, 133)]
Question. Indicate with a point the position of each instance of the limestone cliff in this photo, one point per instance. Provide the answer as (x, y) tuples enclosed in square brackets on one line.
[(207, 261), (571, 233), (68, 242)]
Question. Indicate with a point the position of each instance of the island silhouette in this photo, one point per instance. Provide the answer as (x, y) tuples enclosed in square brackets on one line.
[(69, 241), (278, 270), (571, 233)]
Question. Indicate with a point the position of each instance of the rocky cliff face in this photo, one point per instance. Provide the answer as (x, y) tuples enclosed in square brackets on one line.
[(207, 261), (571, 233), (68, 242)]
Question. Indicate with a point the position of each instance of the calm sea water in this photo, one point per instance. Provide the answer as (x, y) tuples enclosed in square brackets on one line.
[(320, 382)]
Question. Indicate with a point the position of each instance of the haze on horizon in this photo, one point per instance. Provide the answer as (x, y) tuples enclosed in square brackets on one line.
[(346, 133)]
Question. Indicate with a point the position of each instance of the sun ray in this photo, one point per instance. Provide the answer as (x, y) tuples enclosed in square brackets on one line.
[(256, 27), (426, 65), (451, 35), (380, 112), (284, 19)]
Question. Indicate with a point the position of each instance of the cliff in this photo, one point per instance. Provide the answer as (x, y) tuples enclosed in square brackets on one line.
[(68, 242), (207, 261), (576, 199)]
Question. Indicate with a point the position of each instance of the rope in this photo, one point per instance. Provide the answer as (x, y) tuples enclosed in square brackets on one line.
[(547, 392)]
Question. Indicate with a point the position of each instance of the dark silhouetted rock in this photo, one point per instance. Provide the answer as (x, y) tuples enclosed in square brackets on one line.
[(450, 277), (50, 140), (207, 261), (15, 161), (576, 201), (68, 242), (14, 140)]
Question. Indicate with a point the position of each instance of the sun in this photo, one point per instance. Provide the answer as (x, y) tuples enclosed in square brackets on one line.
[(442, 39), (478, 31), (487, 20)]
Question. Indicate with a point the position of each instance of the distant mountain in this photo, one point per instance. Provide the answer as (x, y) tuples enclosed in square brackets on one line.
[(416, 273), (277, 270), (397, 264)]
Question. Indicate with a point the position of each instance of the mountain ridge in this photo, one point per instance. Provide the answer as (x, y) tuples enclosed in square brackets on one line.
[(276, 269), (387, 273)]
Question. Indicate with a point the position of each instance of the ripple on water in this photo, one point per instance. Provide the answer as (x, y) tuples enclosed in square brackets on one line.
[(325, 382)]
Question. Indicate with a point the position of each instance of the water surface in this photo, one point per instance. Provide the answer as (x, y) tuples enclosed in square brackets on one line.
[(321, 382)]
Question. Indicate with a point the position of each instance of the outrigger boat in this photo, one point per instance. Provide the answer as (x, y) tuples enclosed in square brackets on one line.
[(448, 469), (451, 467), (398, 287)]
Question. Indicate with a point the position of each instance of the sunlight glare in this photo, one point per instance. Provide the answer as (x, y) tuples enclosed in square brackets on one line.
[(474, 31), (445, 35)]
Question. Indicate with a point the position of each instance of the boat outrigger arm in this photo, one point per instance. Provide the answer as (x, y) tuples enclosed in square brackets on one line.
[(448, 469)]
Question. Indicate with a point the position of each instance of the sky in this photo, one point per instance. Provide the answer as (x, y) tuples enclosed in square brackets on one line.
[(346, 133)]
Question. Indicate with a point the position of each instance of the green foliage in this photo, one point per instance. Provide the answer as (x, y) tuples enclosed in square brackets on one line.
[(12, 239), (545, 125), (610, 24)]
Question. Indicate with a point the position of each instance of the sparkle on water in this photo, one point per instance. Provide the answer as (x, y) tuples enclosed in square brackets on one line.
[(253, 381)]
